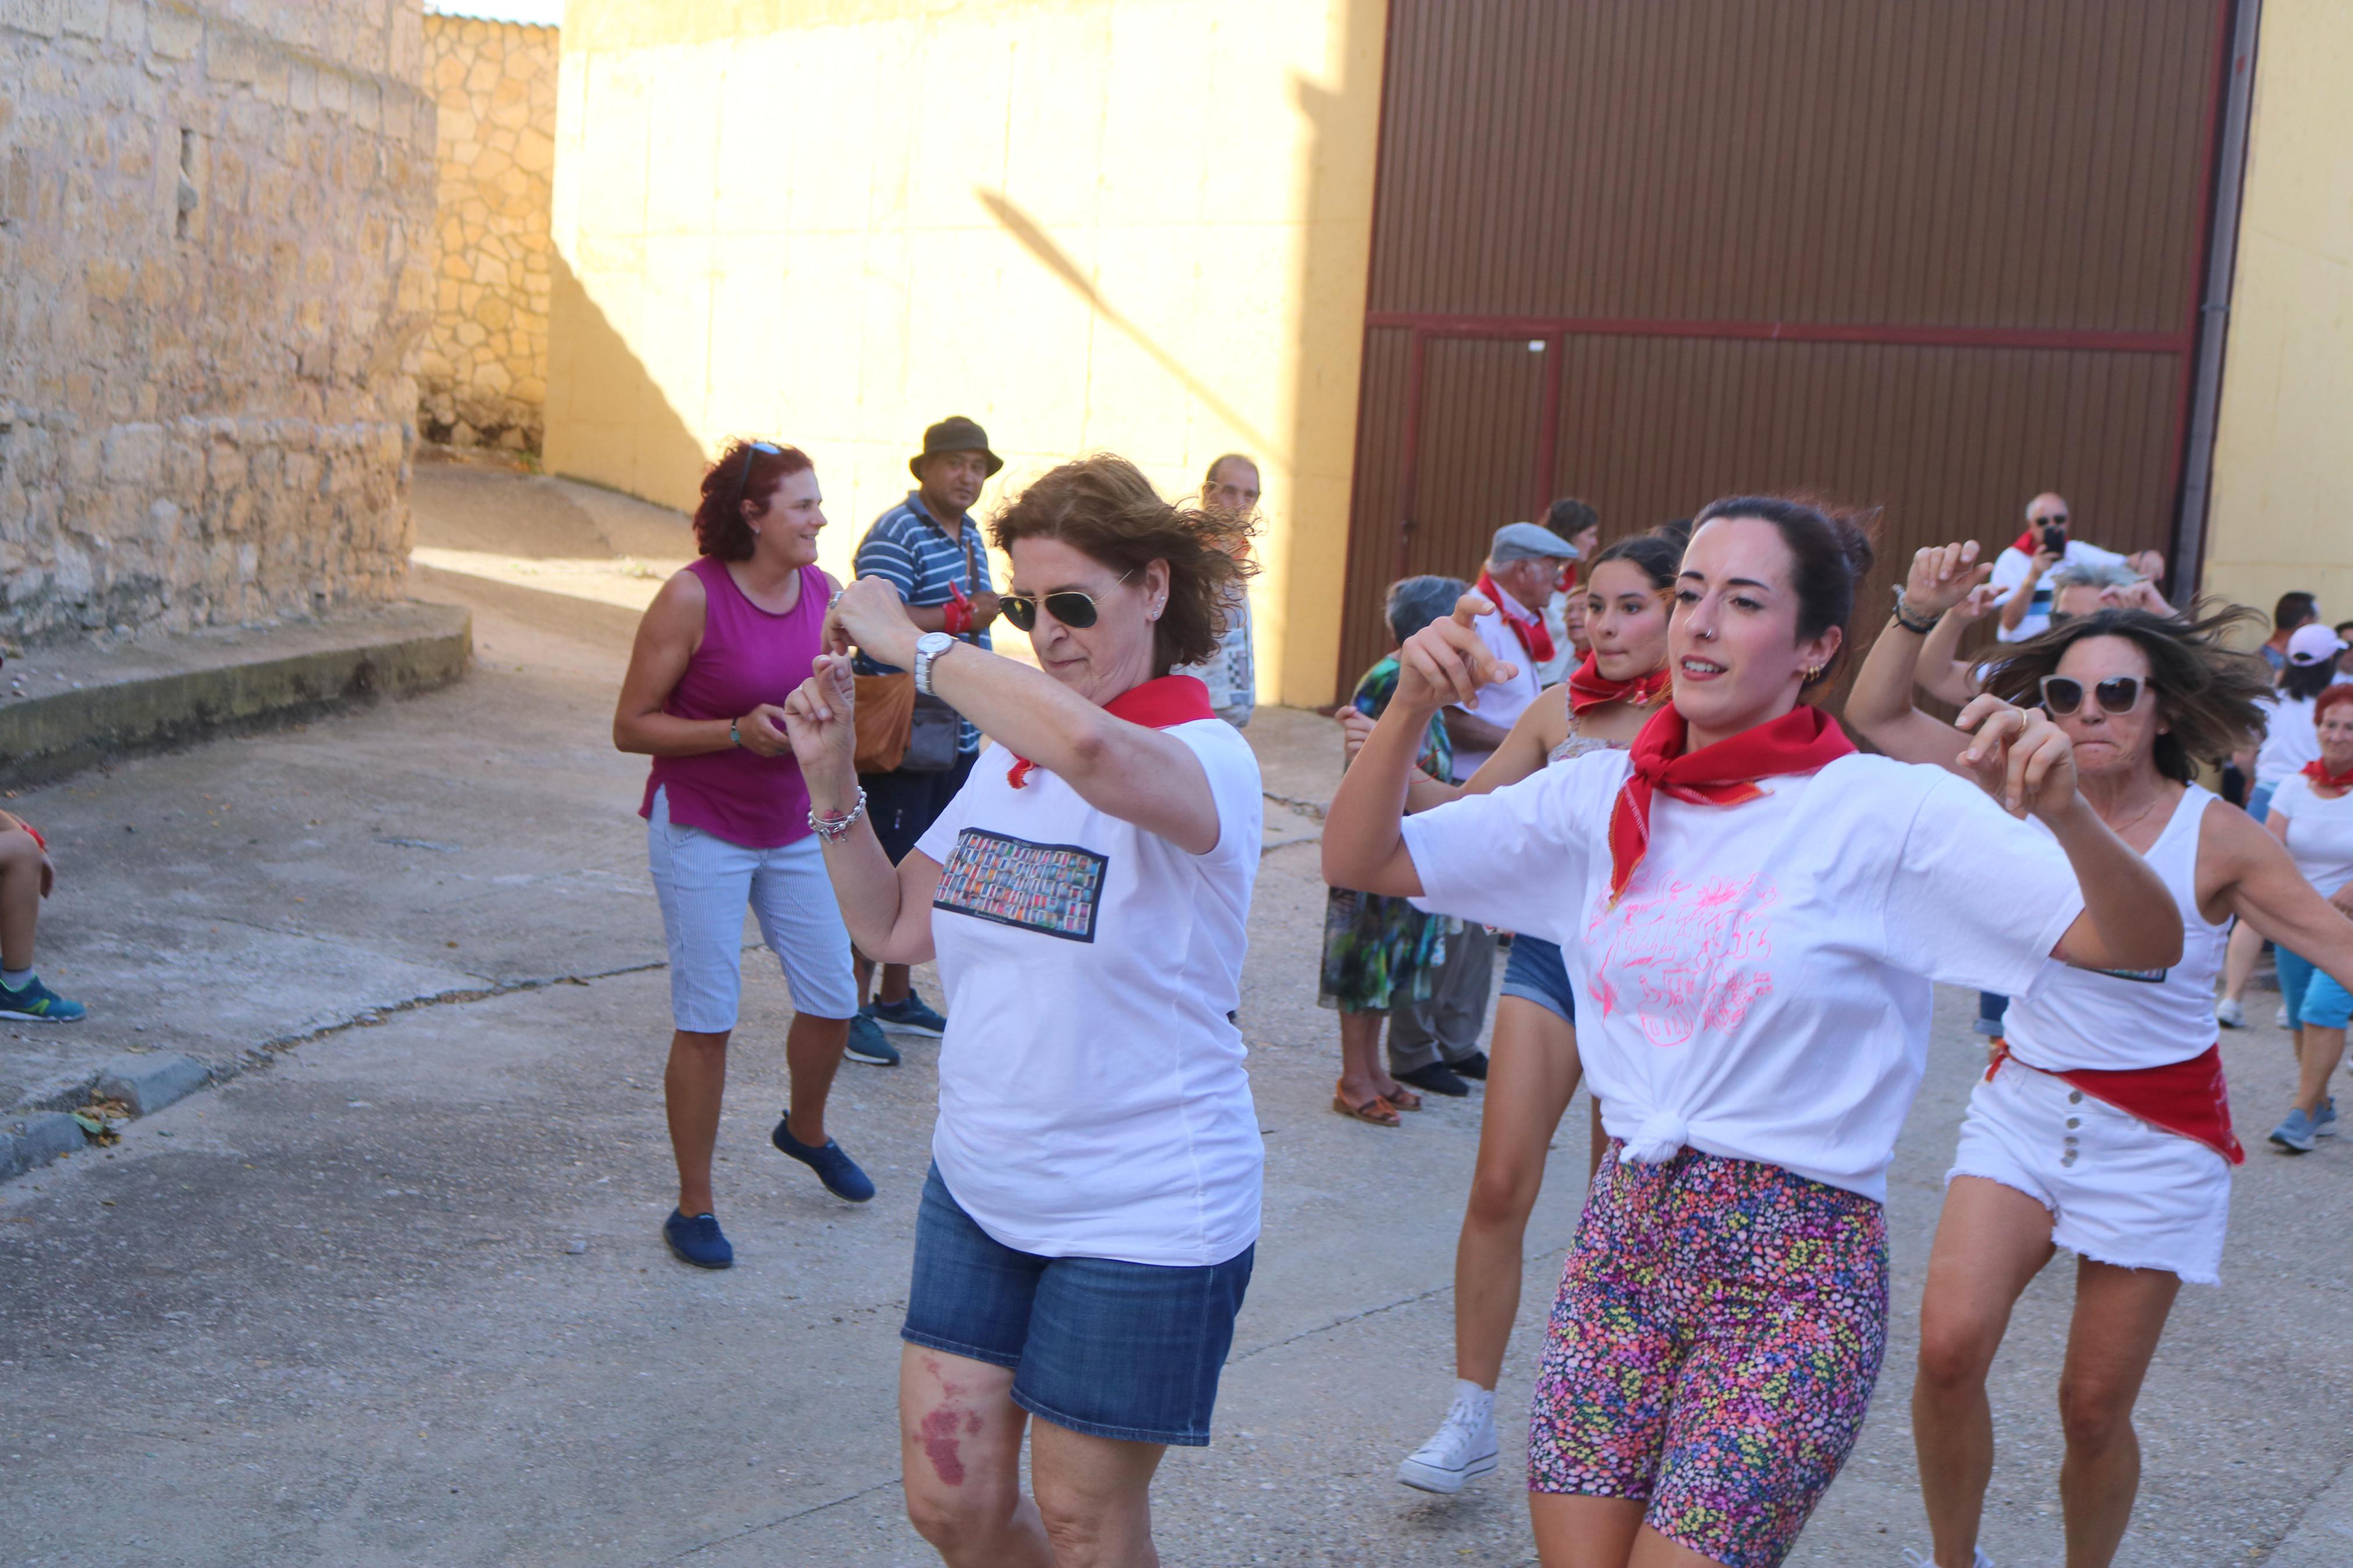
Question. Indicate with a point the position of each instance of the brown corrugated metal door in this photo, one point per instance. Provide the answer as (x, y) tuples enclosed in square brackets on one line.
[(1933, 256)]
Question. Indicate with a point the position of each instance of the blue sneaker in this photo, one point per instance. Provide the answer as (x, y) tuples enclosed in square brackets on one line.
[(2295, 1134), (2325, 1124), (910, 1016), (866, 1044), (37, 1004), (837, 1170), (698, 1241)]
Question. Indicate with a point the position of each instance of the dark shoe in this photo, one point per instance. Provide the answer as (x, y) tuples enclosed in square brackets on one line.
[(698, 1241), (837, 1170), (1472, 1066), (1436, 1078), (909, 1017), (866, 1044)]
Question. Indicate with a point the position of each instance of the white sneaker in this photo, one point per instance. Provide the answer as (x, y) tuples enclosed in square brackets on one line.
[(1915, 1560), (2279, 1019), (2230, 1014), (1463, 1448)]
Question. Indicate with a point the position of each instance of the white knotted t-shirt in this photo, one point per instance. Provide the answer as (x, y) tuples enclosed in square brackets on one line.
[(1761, 990)]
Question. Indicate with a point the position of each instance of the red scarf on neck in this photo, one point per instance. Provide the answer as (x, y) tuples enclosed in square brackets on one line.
[(1157, 705), (1724, 773), (1588, 688), (1529, 629), (2318, 771)]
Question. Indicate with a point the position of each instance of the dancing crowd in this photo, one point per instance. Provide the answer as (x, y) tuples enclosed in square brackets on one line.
[(1726, 920)]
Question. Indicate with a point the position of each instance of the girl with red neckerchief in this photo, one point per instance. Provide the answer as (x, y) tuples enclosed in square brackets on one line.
[(1755, 911), (1533, 1070), (2312, 814), (2103, 1126)]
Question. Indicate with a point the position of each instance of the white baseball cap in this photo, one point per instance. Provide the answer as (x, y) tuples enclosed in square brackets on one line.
[(2313, 645)]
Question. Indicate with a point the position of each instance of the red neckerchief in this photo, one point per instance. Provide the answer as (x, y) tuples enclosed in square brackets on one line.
[(1588, 688), (1724, 773), (1157, 705), (2187, 1098), (1529, 629), (2318, 771), (2027, 544)]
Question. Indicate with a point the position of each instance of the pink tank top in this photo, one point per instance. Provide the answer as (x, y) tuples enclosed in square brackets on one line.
[(748, 657)]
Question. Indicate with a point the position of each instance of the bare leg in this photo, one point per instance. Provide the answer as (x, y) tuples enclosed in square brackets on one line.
[(812, 1052), (1991, 1240), (2239, 958), (960, 1461), (1532, 1072), (1585, 1531), (2318, 1050), (1597, 1145), (1095, 1497), (2119, 1314), (20, 897), (693, 1085), (1361, 1071)]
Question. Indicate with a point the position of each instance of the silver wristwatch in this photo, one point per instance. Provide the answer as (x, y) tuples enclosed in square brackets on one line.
[(929, 646)]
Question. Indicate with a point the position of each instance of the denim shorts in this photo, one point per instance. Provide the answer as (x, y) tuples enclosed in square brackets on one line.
[(1125, 1351), (1536, 972), (2312, 996)]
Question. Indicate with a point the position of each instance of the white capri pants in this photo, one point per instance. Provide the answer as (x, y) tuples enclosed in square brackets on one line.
[(2120, 1190), (704, 881)]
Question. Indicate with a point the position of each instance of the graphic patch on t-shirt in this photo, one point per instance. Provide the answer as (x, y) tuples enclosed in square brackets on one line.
[(1055, 889), (1685, 956)]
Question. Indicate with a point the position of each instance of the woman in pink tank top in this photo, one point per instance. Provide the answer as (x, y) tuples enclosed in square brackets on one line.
[(726, 812)]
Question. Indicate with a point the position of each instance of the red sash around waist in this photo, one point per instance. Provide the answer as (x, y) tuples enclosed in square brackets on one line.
[(2188, 1098)]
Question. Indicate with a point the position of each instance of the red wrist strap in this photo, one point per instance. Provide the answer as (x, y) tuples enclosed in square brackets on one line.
[(956, 618)]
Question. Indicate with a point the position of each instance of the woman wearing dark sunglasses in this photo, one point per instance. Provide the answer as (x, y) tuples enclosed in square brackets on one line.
[(1089, 1224), (2103, 1125)]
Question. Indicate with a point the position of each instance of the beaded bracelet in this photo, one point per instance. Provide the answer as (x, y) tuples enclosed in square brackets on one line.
[(834, 829), (1910, 622)]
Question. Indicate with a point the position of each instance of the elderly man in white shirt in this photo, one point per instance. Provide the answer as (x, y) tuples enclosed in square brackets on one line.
[(2020, 580), (1523, 563)]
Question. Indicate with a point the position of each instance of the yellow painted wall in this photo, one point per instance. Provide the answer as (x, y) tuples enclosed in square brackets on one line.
[(2282, 491), (1138, 225)]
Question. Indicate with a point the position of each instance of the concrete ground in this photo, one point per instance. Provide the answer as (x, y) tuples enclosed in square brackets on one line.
[(399, 1298)]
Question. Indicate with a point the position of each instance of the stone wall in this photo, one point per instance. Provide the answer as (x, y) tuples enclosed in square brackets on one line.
[(213, 223), (482, 377)]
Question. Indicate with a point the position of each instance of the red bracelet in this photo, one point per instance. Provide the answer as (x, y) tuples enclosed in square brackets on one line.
[(955, 618)]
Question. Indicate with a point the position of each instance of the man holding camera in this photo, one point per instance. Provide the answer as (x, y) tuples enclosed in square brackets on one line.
[(2021, 573)]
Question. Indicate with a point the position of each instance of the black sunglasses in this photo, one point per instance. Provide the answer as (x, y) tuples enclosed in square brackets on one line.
[(1072, 608), (2063, 694), (735, 506)]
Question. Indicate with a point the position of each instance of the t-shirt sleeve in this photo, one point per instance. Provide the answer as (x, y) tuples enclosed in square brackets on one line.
[(882, 555), (2289, 796), (2009, 572), (1232, 770), (1977, 897), (1517, 859)]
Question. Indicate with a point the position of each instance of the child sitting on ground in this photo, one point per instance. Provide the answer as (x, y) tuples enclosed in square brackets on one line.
[(25, 877)]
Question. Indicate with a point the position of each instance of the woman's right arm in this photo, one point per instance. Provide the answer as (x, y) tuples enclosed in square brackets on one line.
[(887, 907), (667, 634), (1880, 706), (1943, 675)]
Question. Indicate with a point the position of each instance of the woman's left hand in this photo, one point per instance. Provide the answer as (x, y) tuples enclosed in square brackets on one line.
[(2019, 757), (869, 616), (821, 721)]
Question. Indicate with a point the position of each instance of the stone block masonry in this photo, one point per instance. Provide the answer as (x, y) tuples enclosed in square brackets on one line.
[(214, 220), (482, 377)]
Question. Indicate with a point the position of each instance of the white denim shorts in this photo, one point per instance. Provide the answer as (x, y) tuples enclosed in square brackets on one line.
[(704, 882), (2120, 1190)]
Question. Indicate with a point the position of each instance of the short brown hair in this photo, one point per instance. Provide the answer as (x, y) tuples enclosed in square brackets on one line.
[(1104, 508), (2207, 693)]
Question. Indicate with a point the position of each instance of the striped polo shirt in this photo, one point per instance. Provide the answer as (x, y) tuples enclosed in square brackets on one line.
[(920, 560)]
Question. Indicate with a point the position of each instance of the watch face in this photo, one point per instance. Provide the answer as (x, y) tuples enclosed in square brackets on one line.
[(934, 643)]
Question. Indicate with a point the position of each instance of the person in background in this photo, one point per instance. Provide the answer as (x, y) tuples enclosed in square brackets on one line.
[(1523, 561), (2312, 813), (1231, 485), (2019, 572), (929, 548), (718, 651), (1380, 954), (2345, 659), (27, 875), (1576, 521), (2293, 612)]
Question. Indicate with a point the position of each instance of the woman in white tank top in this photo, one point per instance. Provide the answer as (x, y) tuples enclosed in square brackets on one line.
[(2103, 1125)]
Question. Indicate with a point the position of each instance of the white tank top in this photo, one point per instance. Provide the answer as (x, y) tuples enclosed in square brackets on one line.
[(2116, 1020)]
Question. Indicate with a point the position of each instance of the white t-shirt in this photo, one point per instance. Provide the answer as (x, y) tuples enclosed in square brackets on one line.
[(2009, 569), (1501, 703), (2319, 834), (2290, 739), (1565, 657), (1761, 991), (1093, 1101)]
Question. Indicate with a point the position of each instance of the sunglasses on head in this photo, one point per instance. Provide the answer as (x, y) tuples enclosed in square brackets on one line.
[(735, 505), (2063, 694), (1068, 606)]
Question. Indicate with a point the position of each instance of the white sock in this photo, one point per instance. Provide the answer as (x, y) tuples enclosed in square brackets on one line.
[(1466, 1389), (15, 979)]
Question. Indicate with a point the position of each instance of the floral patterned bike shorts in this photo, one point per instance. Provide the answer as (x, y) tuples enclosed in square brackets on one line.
[(1713, 1350)]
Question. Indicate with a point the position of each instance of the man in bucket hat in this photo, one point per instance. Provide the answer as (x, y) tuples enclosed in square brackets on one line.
[(930, 549)]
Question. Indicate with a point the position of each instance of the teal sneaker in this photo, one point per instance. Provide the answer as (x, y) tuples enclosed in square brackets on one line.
[(2295, 1133), (2325, 1124), (908, 1016), (37, 1004), (866, 1044)]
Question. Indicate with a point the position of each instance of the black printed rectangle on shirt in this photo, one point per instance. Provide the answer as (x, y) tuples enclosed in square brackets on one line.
[(1055, 889)]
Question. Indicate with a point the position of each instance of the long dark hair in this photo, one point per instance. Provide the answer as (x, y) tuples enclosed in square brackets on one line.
[(2303, 682), (1832, 551), (2208, 693)]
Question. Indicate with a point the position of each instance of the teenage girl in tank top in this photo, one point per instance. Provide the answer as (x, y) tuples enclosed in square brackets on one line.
[(2103, 1125)]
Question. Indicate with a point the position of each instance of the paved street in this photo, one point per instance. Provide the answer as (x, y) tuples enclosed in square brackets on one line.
[(396, 1295)]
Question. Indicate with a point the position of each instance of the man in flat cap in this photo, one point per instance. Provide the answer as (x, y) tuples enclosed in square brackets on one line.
[(1523, 565), (929, 548)]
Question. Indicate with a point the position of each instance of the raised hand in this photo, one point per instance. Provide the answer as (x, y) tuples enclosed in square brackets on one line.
[(1448, 662), (2019, 757), (868, 615), (821, 719), (1942, 576)]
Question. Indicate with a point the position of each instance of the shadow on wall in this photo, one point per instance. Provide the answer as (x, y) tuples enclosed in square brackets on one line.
[(617, 428)]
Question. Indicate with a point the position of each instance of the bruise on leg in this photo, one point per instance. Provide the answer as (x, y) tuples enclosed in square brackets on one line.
[(940, 1424)]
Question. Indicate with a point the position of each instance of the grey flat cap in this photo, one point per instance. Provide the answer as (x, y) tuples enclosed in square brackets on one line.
[(1528, 542)]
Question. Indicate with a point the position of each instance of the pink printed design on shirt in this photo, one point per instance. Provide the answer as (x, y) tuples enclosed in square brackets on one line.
[(1684, 957)]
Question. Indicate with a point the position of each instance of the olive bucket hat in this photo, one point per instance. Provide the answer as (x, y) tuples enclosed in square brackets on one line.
[(955, 434)]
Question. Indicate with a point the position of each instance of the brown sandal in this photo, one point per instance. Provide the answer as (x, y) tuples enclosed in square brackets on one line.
[(1376, 1110), (1402, 1097)]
